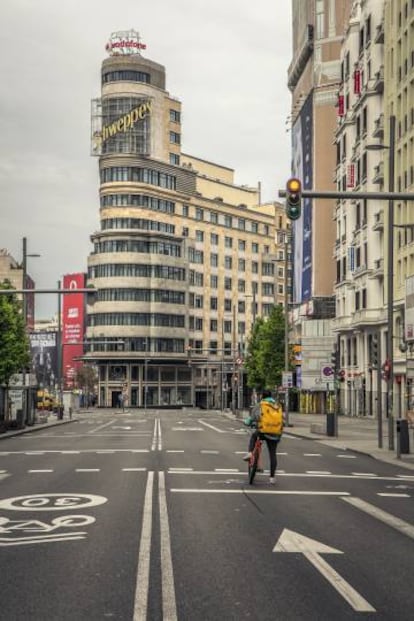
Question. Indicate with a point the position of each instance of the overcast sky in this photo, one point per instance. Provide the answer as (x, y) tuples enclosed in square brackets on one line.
[(226, 61)]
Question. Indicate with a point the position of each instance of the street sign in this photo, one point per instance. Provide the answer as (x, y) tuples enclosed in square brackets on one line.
[(287, 379)]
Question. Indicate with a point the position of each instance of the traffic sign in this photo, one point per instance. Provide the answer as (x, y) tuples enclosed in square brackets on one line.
[(287, 379)]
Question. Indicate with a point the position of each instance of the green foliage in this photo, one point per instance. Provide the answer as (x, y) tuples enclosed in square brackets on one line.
[(265, 357), (14, 343), (86, 378)]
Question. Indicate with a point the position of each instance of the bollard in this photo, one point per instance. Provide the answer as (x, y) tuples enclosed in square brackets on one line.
[(330, 424)]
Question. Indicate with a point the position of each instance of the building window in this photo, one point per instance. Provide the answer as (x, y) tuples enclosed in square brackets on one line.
[(255, 247), (242, 245), (227, 305), (255, 267), (242, 265), (213, 281), (175, 116), (228, 242), (242, 224), (241, 286), (214, 259), (255, 227), (213, 303), (228, 222), (227, 283), (174, 159), (200, 236), (241, 306), (199, 214), (213, 325), (214, 239), (213, 217), (266, 229), (185, 211), (227, 327), (175, 138), (228, 263)]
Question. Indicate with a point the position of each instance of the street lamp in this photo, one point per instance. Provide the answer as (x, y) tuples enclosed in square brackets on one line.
[(390, 280), (24, 277)]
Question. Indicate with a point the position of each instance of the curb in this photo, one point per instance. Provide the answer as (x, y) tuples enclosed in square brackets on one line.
[(34, 428)]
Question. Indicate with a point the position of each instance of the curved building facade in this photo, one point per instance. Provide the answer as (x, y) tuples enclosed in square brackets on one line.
[(184, 259)]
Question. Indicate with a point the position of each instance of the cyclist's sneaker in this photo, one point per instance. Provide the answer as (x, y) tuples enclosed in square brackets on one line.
[(247, 457), (272, 480)]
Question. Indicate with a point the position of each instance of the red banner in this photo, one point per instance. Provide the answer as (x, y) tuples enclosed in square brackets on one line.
[(73, 327)]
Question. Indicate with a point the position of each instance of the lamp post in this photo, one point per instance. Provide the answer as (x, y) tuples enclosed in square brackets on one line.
[(390, 279)]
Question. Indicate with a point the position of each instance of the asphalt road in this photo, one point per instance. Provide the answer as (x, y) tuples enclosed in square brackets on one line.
[(150, 516)]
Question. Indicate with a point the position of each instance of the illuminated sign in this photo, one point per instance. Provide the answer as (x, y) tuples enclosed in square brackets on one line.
[(125, 42), (123, 124)]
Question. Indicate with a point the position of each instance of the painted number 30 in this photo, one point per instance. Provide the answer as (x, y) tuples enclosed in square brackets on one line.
[(51, 502)]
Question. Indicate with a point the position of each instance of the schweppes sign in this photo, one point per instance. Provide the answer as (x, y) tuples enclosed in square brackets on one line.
[(127, 121)]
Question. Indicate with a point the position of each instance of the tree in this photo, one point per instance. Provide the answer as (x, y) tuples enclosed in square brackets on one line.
[(266, 351), (14, 343), (86, 379)]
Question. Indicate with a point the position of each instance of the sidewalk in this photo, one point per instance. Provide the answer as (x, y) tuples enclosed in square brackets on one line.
[(356, 434)]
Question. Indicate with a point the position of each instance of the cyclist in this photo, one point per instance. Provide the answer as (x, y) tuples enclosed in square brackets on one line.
[(267, 418)]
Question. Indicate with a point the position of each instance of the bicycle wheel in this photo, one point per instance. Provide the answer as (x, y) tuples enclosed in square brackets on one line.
[(253, 467)]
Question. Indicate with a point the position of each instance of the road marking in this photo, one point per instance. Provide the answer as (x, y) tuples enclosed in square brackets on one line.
[(104, 451), (289, 541), (278, 492), (34, 453), (87, 469), (227, 469), (175, 451), (347, 456), (181, 469), (303, 475), (206, 452), (142, 583), (406, 476), (102, 426), (364, 474), (403, 527), (395, 495), (134, 469), (169, 607), (156, 438), (318, 472), (187, 429), (311, 454), (159, 435), (211, 426), (35, 471)]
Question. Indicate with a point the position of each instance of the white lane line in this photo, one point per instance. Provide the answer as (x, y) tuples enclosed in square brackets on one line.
[(169, 606), (187, 429), (87, 469), (35, 471), (227, 469), (406, 476), (393, 495), (403, 527), (364, 474), (347, 456), (142, 583), (102, 426), (301, 475), (105, 451), (159, 435), (154, 436), (70, 452), (206, 452), (190, 490), (175, 451), (312, 455), (318, 472), (34, 453), (211, 426), (134, 469)]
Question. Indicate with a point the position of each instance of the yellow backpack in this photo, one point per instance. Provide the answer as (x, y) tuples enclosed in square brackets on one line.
[(271, 418)]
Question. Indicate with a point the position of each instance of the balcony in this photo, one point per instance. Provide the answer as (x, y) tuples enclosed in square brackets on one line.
[(378, 270), (360, 270), (378, 127), (367, 317), (378, 221), (378, 173), (379, 80)]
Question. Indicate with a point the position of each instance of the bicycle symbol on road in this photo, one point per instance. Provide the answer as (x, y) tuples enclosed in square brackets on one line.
[(31, 531)]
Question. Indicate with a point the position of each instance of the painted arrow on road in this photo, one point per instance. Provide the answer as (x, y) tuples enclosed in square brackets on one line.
[(289, 541)]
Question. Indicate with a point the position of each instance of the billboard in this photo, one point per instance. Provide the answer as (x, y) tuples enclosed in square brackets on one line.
[(73, 327), (44, 354), (302, 137)]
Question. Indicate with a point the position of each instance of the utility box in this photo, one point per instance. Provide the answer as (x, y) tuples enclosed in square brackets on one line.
[(403, 438)]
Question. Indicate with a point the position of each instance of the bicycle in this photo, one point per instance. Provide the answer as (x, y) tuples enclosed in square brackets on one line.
[(255, 459)]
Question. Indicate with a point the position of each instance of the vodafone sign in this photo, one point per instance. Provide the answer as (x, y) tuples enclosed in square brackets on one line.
[(124, 42)]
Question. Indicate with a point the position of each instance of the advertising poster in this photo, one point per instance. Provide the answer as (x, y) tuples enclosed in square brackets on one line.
[(43, 349), (73, 327)]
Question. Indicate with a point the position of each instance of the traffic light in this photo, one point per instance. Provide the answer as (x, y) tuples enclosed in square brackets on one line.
[(374, 351), (335, 360), (293, 198)]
